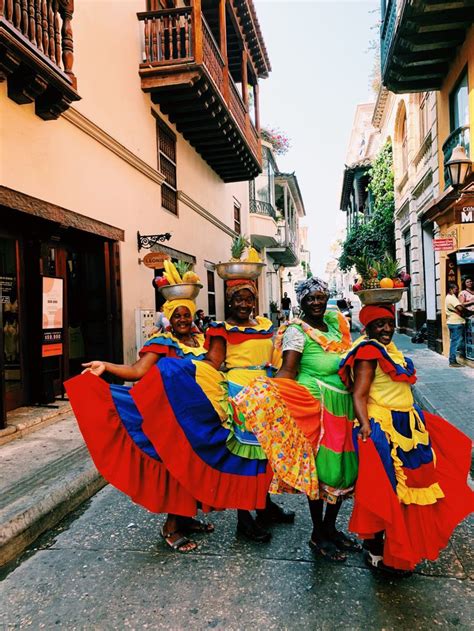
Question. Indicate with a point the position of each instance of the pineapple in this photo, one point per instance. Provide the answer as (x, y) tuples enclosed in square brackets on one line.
[(373, 282), (238, 246), (364, 269), (390, 267), (252, 256), (182, 267)]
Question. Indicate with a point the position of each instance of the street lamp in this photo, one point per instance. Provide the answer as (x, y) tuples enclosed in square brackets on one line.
[(276, 266), (459, 166), (289, 277)]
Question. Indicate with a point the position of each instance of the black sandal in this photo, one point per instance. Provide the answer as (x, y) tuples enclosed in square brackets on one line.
[(274, 514), (180, 543), (195, 526), (253, 532), (327, 550), (343, 542)]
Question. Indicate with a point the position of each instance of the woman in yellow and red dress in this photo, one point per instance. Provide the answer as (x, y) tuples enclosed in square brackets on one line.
[(412, 487), (112, 427)]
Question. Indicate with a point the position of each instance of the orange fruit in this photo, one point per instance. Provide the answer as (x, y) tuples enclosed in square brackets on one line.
[(386, 283)]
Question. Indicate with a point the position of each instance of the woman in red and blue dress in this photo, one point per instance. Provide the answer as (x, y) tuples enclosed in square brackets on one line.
[(112, 427), (411, 490)]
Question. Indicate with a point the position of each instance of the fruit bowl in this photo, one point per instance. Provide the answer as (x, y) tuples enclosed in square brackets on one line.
[(380, 296), (186, 291), (234, 270)]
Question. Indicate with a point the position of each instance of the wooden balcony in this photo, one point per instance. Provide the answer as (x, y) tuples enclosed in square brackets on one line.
[(36, 54), (263, 224), (187, 74), (419, 40)]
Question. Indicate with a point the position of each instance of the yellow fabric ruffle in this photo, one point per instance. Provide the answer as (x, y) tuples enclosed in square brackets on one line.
[(188, 350), (212, 383), (406, 494)]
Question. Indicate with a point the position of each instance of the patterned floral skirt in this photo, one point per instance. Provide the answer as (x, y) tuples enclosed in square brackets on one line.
[(308, 441)]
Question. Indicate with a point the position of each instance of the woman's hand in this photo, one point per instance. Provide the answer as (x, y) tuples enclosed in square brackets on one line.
[(95, 367), (364, 432)]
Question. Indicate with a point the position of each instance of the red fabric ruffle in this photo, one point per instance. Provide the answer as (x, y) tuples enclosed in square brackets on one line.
[(159, 349), (414, 532), (371, 352), (208, 485), (234, 337), (145, 480)]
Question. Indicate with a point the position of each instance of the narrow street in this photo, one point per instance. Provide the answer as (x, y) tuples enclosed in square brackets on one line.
[(106, 567)]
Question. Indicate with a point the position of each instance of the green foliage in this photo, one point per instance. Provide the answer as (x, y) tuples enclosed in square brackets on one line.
[(306, 269), (375, 238)]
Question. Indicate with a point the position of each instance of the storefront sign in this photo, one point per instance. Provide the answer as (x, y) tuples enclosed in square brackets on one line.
[(155, 260), (52, 342), (6, 289), (451, 272), (443, 244), (52, 303), (465, 257), (467, 214)]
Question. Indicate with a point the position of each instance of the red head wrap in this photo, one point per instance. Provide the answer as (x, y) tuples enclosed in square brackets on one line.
[(370, 313)]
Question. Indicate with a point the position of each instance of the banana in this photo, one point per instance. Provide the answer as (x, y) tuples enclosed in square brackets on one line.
[(253, 256), (168, 273), (174, 272), (168, 278)]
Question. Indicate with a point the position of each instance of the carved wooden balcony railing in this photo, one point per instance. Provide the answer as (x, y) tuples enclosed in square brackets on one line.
[(419, 40), (185, 72), (36, 54)]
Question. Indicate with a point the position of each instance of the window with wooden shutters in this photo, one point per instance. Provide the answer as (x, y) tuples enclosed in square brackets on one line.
[(211, 295), (166, 143), (237, 225)]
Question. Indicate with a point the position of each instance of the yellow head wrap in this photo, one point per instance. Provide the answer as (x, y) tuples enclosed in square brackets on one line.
[(170, 306)]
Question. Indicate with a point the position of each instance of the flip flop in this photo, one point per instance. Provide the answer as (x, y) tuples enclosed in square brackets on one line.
[(189, 524), (327, 550), (180, 543)]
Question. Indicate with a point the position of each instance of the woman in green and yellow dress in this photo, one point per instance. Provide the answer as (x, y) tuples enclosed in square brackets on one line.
[(303, 419)]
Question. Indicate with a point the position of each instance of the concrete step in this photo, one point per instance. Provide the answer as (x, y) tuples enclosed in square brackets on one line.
[(44, 475)]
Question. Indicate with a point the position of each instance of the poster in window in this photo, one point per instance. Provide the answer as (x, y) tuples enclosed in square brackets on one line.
[(52, 343), (52, 303)]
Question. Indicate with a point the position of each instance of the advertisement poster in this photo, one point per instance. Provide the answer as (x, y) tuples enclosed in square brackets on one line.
[(52, 316)]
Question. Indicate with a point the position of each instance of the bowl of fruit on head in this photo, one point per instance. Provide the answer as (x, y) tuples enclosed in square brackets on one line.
[(238, 267), (178, 281), (380, 282)]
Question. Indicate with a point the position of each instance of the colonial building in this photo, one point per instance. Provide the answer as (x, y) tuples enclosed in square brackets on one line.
[(126, 128), (276, 209), (356, 200), (427, 54)]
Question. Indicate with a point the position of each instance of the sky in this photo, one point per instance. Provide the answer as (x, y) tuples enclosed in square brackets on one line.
[(321, 66)]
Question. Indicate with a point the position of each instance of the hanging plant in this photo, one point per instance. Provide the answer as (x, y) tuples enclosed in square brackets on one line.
[(279, 140)]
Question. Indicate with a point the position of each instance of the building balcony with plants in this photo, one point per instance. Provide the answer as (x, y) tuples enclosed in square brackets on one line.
[(201, 64)]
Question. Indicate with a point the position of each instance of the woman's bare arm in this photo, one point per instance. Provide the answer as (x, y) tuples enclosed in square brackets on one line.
[(364, 373), (123, 371), (216, 354), (290, 366)]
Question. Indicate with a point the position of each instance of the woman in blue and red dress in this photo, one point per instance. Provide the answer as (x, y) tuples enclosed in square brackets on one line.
[(111, 426), (412, 487)]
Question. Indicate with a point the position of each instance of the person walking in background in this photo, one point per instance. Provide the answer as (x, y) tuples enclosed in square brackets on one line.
[(199, 320), (286, 306), (455, 320), (466, 297)]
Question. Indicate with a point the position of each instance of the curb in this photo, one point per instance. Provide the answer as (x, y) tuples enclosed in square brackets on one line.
[(24, 528)]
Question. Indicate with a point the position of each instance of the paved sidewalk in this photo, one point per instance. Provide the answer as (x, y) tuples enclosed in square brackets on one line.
[(440, 389), (44, 476)]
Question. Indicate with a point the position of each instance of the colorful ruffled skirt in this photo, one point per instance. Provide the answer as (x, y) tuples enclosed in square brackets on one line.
[(412, 484), (308, 441), (162, 441)]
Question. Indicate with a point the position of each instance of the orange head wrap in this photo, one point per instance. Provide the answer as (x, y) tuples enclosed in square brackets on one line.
[(369, 313), (233, 286)]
